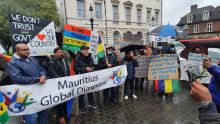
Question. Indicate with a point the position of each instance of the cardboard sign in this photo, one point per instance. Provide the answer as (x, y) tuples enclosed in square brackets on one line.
[(37, 33), (142, 70), (163, 67), (196, 57)]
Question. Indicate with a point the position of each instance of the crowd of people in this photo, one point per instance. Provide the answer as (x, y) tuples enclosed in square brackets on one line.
[(24, 69)]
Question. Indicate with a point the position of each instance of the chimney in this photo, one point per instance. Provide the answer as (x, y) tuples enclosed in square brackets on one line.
[(194, 7)]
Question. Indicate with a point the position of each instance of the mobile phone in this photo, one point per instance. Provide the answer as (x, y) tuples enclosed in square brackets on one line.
[(194, 77)]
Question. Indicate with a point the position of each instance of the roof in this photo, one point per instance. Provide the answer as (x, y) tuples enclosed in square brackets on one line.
[(214, 14)]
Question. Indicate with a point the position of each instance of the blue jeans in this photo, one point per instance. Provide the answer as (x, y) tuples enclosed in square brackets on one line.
[(41, 117)]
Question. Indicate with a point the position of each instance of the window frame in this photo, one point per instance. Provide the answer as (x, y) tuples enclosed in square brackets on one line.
[(196, 30), (79, 10)]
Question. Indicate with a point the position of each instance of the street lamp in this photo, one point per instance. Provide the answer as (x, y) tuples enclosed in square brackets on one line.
[(91, 19)]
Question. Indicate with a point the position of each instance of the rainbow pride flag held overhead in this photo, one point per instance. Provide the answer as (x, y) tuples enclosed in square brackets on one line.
[(75, 37), (3, 111), (167, 86)]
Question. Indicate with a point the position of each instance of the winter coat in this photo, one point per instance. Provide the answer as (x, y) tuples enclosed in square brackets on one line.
[(214, 86), (58, 68), (22, 71), (82, 62), (131, 64), (209, 115)]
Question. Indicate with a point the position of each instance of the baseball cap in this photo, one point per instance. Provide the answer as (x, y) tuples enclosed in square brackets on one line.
[(84, 47)]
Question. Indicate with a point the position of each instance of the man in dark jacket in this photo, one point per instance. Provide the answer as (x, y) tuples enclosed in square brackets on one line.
[(207, 111), (84, 64), (58, 67), (103, 64), (25, 70), (131, 64)]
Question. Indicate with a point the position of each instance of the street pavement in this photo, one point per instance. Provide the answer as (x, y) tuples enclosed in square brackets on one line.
[(149, 108)]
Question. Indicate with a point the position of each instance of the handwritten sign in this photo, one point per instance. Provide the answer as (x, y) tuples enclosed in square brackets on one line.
[(163, 67), (142, 69), (75, 37), (196, 57), (215, 57), (37, 33)]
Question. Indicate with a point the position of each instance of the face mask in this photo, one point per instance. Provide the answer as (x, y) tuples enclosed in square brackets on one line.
[(160, 47), (110, 52), (172, 49)]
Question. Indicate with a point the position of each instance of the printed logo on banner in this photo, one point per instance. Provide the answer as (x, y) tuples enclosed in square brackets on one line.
[(16, 103), (117, 76)]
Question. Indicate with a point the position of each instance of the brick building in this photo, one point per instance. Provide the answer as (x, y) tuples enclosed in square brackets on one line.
[(202, 26), (202, 23)]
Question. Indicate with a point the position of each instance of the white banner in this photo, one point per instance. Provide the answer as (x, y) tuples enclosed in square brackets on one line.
[(29, 99)]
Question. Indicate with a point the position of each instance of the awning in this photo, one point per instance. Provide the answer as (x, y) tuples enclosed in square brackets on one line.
[(211, 42)]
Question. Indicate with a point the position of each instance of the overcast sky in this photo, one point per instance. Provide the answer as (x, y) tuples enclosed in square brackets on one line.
[(173, 10)]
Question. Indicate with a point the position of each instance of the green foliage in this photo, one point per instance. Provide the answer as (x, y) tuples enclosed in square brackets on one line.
[(40, 8)]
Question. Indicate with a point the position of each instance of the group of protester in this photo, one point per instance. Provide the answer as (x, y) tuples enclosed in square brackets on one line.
[(24, 70)]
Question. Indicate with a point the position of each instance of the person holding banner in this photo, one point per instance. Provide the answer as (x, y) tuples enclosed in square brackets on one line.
[(84, 64), (131, 64), (26, 70), (58, 67), (103, 64)]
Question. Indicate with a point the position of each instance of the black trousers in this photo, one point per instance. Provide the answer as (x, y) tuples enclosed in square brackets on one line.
[(218, 108), (107, 97), (82, 101), (129, 86)]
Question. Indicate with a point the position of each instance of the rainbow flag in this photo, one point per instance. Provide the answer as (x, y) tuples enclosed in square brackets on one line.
[(167, 86), (3, 111), (100, 48), (6, 57)]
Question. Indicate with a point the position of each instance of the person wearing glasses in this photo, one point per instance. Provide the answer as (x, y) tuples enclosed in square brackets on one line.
[(24, 70)]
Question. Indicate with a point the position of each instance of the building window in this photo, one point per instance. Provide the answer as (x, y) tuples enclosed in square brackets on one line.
[(148, 16), (205, 15), (139, 16), (116, 37), (115, 14), (98, 10), (209, 27), (196, 29), (157, 17), (81, 8), (189, 19), (128, 15)]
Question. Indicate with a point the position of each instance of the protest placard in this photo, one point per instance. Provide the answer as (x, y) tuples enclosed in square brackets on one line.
[(162, 67), (75, 37), (142, 69), (194, 64), (37, 33), (214, 55), (196, 57)]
